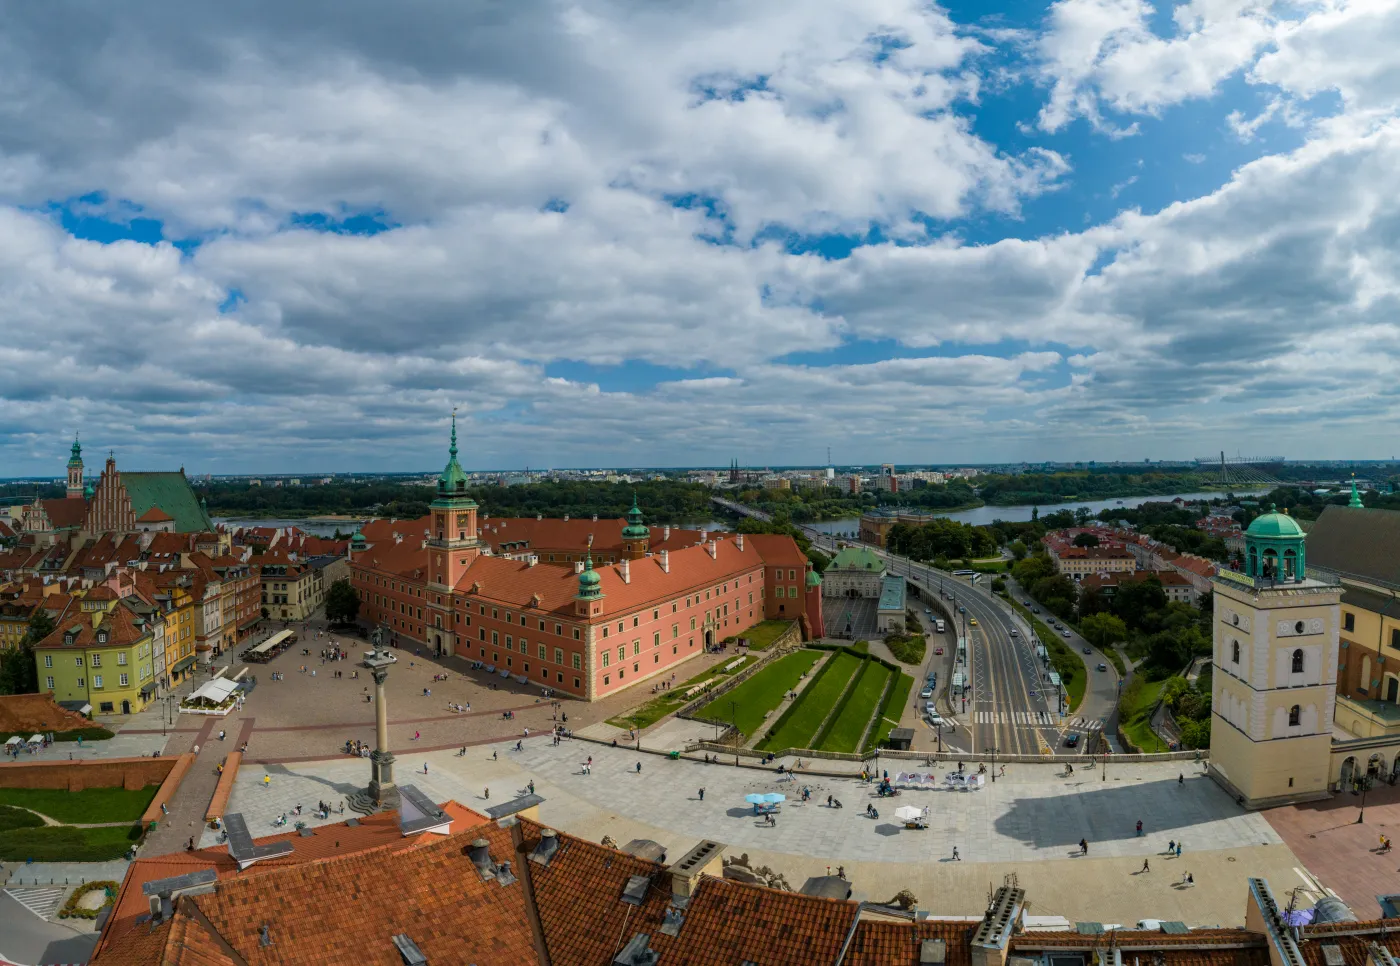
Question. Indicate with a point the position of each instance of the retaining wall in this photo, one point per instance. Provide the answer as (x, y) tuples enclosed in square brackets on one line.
[(219, 802), (167, 788), (128, 773)]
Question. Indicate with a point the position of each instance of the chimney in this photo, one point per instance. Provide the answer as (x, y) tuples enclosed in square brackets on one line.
[(991, 943), (595, 518), (739, 542), (713, 549), (626, 571), (398, 538), (706, 858), (566, 518), (539, 516), (704, 535), (666, 561), (549, 844), (480, 854), (578, 566), (532, 560), (666, 533)]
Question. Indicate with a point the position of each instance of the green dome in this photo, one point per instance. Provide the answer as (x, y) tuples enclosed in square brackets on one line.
[(589, 582), (814, 579), (1274, 524), (358, 542), (88, 491), (635, 529)]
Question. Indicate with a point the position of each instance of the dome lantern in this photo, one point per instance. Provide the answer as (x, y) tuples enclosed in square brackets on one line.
[(1273, 547)]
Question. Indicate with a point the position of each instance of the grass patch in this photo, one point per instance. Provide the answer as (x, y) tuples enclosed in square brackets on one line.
[(1116, 659), (990, 566), (1135, 713), (761, 693), (1070, 666), (907, 648), (763, 634), (87, 734), (845, 733), (672, 699), (89, 806), (64, 843), (890, 713), (12, 818), (800, 723)]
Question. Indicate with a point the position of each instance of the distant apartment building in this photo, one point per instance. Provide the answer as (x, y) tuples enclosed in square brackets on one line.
[(1176, 587), (1078, 562)]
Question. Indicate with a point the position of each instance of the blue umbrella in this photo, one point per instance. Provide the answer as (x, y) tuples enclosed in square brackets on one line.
[(756, 799), (773, 798)]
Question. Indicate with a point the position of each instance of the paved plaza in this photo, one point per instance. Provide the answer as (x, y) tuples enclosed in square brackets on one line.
[(1028, 823)]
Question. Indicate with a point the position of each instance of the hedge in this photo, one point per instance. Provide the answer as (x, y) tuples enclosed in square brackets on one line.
[(70, 908), (13, 818), (890, 712), (67, 843), (850, 721), (801, 710)]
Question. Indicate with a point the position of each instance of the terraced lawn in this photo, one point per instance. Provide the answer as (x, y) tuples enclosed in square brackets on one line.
[(765, 633), (87, 807), (814, 703), (761, 693), (846, 732), (890, 712)]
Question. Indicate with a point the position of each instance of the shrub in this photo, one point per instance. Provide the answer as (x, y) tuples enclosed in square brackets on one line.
[(70, 908), (13, 818)]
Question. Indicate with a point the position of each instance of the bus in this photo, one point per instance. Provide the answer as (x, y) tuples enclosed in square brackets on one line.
[(972, 575)]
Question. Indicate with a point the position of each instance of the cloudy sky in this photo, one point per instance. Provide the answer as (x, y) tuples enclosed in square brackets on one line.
[(273, 236)]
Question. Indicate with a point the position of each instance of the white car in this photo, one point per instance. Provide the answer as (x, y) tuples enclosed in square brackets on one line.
[(934, 718), (926, 693)]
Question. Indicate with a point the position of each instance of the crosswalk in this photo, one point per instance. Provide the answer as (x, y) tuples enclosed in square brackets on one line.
[(43, 901), (1035, 719), (1014, 717)]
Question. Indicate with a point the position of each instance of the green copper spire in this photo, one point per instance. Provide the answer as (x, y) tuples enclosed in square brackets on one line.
[(589, 580), (77, 454), (1355, 501), (453, 481), (635, 529)]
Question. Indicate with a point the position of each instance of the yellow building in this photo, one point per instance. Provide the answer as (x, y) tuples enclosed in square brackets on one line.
[(101, 656), (1078, 562), (182, 613), (1276, 646)]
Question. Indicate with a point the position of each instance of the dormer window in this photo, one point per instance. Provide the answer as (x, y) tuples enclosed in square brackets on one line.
[(102, 637)]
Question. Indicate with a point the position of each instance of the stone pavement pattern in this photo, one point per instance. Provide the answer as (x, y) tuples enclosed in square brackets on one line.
[(1029, 825)]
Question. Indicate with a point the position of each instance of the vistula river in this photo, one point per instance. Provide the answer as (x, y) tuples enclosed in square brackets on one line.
[(983, 515)]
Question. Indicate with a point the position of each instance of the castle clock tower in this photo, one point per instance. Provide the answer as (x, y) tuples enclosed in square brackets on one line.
[(1276, 649), (452, 545)]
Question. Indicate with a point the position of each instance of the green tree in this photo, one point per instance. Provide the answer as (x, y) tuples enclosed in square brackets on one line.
[(1102, 630), (1134, 601), (18, 672), (1195, 734), (342, 603), (1085, 540), (1018, 549)]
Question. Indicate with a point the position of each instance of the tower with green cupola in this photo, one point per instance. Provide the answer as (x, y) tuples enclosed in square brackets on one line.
[(588, 602), (636, 537), (75, 472), (1276, 649), (452, 545)]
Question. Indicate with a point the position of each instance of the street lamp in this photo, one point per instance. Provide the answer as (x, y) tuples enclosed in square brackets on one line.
[(1363, 785), (734, 720), (993, 750)]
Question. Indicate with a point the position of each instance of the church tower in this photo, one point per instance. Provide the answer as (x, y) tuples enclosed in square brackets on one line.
[(636, 538), (75, 472), (1276, 646), (452, 545)]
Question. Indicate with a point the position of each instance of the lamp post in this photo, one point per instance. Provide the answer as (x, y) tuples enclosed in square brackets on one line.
[(734, 720), (993, 750), (1363, 785)]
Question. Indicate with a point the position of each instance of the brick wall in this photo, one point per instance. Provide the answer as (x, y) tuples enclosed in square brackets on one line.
[(128, 773)]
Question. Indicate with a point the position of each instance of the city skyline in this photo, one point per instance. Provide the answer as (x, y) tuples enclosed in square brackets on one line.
[(982, 232)]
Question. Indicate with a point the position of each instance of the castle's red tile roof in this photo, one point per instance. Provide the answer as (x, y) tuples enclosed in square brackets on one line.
[(155, 515)]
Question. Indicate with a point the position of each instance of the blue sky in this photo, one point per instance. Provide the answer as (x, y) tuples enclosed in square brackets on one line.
[(970, 232)]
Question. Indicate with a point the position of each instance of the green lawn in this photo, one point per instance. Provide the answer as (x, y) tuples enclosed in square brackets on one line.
[(907, 649), (64, 843), (814, 703), (1062, 656), (1135, 715), (890, 712), (12, 818), (671, 700), (846, 733), (760, 693), (87, 807), (761, 635)]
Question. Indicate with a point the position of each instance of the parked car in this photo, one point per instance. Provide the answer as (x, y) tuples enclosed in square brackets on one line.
[(1071, 741), (938, 651), (1103, 667), (935, 719), (1088, 650), (926, 693)]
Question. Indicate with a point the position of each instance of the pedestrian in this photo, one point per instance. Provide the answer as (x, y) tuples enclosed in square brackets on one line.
[(1171, 847), (702, 794), (419, 734), (163, 809), (486, 793), (532, 786), (1178, 850), (1083, 846), (1181, 778), (1190, 879), (425, 767), (956, 857), (639, 768), (190, 847), (267, 781), (1145, 866), (1139, 827), (494, 757)]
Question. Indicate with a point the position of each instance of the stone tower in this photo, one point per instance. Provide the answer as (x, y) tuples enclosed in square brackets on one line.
[(636, 538), (75, 472), (1275, 678), (452, 545)]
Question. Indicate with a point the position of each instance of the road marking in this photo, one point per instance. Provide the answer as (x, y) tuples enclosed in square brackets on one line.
[(43, 902)]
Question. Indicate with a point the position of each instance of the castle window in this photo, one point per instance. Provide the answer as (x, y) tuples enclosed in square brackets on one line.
[(1348, 622), (1235, 651), (1298, 661), (1295, 716), (1395, 637)]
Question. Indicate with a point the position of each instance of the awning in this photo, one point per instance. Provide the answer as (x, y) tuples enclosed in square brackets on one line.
[(15, 740), (37, 740), (215, 691), (148, 689), (181, 665), (249, 622)]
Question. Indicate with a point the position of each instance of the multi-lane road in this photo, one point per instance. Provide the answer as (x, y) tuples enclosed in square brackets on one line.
[(1009, 706)]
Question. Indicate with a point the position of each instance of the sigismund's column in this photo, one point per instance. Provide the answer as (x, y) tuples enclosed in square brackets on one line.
[(382, 790)]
